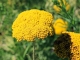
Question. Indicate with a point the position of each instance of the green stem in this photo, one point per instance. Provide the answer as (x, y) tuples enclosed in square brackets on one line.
[(26, 50), (33, 50)]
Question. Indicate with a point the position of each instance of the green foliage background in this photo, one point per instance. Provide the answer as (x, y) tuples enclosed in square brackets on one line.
[(10, 49)]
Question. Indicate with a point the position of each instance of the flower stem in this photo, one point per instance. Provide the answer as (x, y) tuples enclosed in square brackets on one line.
[(33, 50)]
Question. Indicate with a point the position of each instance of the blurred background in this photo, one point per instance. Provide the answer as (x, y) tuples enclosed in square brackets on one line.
[(10, 49)]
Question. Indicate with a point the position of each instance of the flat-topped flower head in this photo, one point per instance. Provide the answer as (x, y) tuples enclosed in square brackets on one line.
[(32, 24)]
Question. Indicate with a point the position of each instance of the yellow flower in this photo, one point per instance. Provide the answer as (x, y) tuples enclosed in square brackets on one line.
[(32, 24), (67, 7), (75, 47), (62, 1), (58, 9), (68, 45), (60, 26), (62, 46)]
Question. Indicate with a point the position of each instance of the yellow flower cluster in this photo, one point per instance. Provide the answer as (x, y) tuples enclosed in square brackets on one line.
[(32, 24), (58, 9), (60, 26), (75, 47)]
